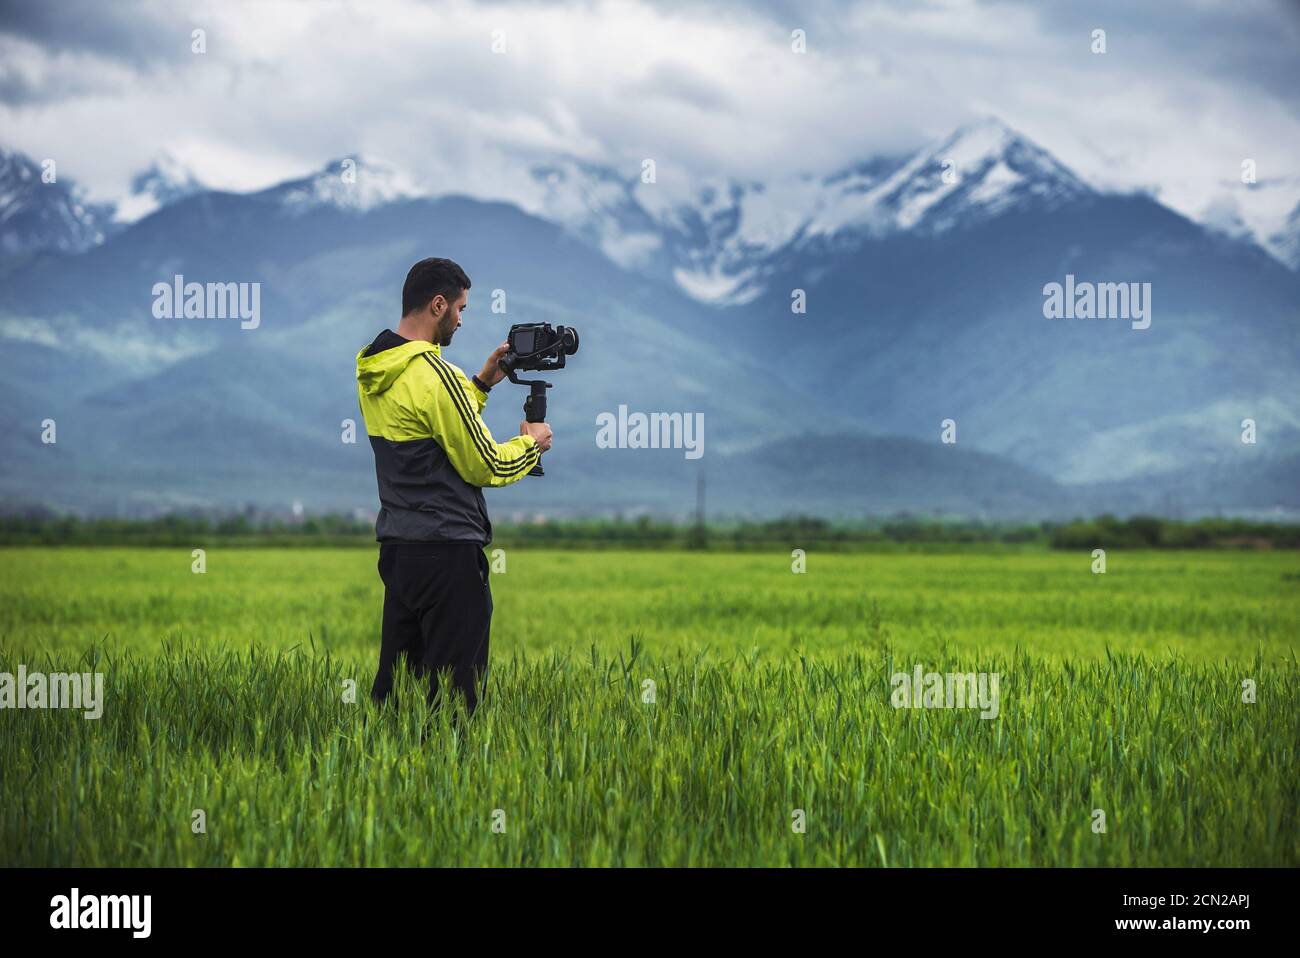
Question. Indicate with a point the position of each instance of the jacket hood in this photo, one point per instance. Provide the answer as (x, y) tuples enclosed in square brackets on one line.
[(378, 367)]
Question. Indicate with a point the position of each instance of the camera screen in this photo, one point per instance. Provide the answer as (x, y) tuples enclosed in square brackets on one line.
[(524, 342)]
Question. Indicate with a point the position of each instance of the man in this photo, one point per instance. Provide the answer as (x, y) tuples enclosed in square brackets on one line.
[(433, 455)]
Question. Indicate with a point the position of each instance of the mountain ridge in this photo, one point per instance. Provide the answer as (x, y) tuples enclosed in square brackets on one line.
[(924, 309)]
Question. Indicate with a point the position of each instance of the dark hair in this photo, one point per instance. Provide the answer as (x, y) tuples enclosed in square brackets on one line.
[(427, 279)]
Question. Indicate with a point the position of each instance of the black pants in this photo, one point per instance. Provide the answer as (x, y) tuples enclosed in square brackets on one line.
[(437, 614)]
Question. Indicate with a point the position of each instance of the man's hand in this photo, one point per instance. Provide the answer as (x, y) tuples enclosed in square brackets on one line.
[(491, 373), (540, 431)]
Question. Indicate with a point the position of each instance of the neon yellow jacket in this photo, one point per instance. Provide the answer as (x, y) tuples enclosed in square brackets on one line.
[(433, 452)]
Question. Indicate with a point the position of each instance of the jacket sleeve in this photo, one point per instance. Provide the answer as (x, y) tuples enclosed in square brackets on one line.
[(454, 421), (478, 395)]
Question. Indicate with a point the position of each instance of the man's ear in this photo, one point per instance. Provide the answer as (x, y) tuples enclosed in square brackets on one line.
[(433, 305)]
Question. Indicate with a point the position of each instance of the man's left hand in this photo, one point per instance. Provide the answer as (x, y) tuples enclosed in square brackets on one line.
[(491, 373)]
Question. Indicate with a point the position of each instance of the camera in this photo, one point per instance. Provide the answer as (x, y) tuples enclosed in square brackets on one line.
[(539, 346)]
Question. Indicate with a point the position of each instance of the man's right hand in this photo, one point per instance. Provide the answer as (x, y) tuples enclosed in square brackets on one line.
[(540, 432)]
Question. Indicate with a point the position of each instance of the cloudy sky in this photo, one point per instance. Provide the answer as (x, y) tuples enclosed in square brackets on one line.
[(1183, 94)]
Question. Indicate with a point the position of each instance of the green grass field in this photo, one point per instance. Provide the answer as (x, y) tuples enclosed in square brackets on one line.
[(772, 707)]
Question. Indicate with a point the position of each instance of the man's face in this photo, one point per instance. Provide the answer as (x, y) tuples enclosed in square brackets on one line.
[(446, 326)]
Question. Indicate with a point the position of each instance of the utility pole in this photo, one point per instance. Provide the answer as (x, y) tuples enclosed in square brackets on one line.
[(699, 538)]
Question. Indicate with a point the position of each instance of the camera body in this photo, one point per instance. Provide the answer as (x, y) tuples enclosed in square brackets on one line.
[(539, 346)]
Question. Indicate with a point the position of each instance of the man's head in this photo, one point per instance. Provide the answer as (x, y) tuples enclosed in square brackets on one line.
[(435, 292)]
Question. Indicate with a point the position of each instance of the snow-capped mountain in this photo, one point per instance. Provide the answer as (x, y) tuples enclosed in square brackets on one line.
[(716, 239), (980, 171), (718, 243), (350, 183), (704, 239), (165, 181), (36, 215)]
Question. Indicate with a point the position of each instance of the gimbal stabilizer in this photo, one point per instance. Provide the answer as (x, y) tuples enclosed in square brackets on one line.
[(537, 346)]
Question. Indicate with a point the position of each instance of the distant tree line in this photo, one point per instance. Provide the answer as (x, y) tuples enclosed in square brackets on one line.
[(1106, 532), (1150, 532)]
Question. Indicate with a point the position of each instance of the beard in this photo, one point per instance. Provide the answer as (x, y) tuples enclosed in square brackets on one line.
[(445, 329)]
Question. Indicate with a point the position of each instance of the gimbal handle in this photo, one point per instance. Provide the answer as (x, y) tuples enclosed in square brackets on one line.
[(534, 402)]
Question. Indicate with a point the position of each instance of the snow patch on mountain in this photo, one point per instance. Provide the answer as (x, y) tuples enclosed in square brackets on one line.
[(165, 181), (37, 216), (717, 239), (1266, 213), (980, 171), (358, 184), (599, 206), (717, 286)]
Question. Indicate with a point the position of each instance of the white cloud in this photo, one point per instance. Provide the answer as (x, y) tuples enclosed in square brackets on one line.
[(704, 91)]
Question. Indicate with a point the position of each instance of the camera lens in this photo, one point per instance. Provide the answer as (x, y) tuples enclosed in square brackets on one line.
[(570, 340)]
